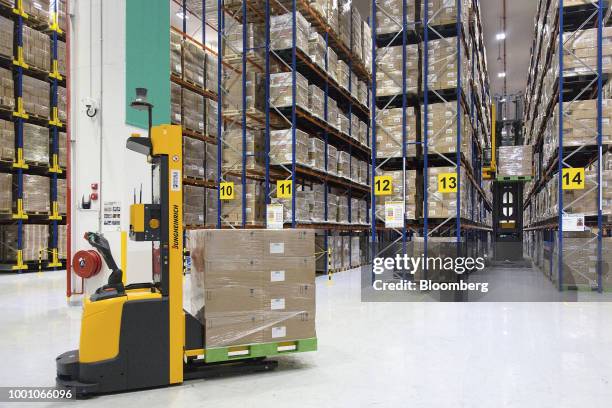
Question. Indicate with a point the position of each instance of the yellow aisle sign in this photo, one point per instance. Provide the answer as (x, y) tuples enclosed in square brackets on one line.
[(447, 183), (226, 190), (383, 185), (283, 189), (573, 179)]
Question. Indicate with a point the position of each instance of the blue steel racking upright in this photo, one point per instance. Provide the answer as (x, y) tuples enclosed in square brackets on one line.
[(19, 167), (570, 23)]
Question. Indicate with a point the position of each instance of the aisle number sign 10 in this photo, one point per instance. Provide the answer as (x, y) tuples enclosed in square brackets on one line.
[(226, 190), (573, 179), (383, 185), (447, 182), (284, 189)]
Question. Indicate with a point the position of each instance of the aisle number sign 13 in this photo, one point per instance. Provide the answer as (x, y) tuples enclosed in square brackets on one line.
[(573, 179), (283, 189), (226, 190), (383, 185), (447, 182)]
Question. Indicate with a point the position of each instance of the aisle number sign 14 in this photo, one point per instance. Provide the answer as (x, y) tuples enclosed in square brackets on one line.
[(284, 189), (573, 179), (226, 190), (447, 182), (383, 185)]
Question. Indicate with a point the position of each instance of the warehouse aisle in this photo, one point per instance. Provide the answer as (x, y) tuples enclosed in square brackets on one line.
[(392, 354)]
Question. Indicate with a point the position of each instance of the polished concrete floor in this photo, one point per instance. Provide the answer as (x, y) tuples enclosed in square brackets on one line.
[(370, 354)]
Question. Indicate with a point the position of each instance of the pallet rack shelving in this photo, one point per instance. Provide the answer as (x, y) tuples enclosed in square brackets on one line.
[(568, 23), (20, 168)]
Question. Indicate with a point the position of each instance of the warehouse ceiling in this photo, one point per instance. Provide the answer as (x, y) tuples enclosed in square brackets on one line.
[(520, 15)]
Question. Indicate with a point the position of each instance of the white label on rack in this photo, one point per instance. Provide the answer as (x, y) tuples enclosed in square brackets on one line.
[(394, 214), (279, 331), (274, 216), (277, 247), (277, 304), (573, 222), (277, 276)]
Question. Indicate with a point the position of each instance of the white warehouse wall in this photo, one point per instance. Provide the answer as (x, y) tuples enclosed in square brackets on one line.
[(98, 144)]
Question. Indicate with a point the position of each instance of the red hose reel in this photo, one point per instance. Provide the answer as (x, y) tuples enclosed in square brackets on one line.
[(87, 263)]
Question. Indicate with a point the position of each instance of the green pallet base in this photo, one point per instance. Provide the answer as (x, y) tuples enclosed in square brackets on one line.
[(214, 355)]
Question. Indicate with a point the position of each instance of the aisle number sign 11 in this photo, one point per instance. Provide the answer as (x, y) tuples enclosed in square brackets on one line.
[(447, 182), (383, 185), (573, 179), (226, 190), (284, 189)]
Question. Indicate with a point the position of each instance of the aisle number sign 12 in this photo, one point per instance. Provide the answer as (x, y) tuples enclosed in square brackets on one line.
[(573, 179), (447, 182), (284, 189), (226, 190), (383, 185)]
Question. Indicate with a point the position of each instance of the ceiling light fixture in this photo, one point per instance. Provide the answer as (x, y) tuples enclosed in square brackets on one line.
[(501, 75), (500, 36), (182, 16)]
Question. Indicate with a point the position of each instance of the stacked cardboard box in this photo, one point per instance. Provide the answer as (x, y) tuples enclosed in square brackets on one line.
[(211, 162), (34, 242), (212, 201), (281, 90), (344, 164), (316, 153), (7, 140), (193, 111), (6, 37), (281, 31), (389, 70), (231, 210), (194, 64), (316, 101), (281, 147), (444, 205), (254, 91), (194, 156), (61, 196), (317, 202), (36, 193), (36, 99), (332, 64), (233, 149), (316, 49), (515, 161), (332, 160), (344, 74), (344, 22), (302, 205), (389, 133), (193, 205), (580, 123), (252, 287), (7, 92), (443, 12), (176, 66), (355, 252), (580, 259), (367, 46), (35, 143), (442, 129), (398, 193), (356, 34), (332, 112), (37, 10), (36, 48), (254, 36), (443, 64), (175, 104), (332, 207), (6, 193), (580, 52), (389, 15), (343, 123), (61, 242), (211, 120), (579, 201), (343, 215)]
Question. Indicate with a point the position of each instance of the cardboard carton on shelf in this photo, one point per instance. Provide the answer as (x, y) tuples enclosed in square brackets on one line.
[(281, 147), (193, 205)]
